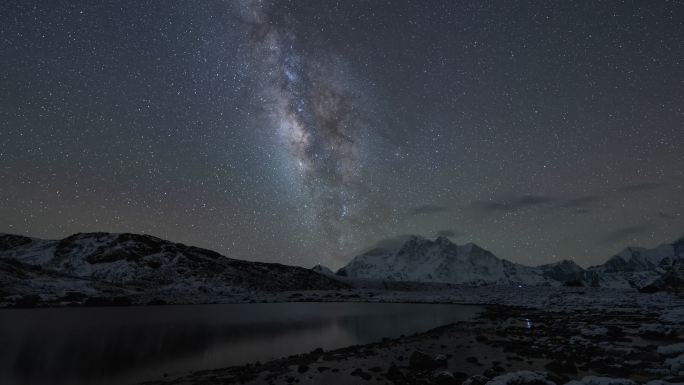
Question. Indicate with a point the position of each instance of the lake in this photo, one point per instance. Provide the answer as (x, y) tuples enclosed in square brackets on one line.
[(121, 345)]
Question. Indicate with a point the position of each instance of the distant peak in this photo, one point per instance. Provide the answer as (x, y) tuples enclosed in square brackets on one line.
[(564, 264), (322, 269), (416, 238)]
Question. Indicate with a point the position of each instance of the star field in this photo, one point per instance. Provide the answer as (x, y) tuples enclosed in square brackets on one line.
[(303, 132)]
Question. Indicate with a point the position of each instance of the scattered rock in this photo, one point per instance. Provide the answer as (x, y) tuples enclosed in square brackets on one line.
[(476, 380), (561, 367), (657, 330), (445, 377), (494, 371), (523, 377), (360, 373), (676, 365), (671, 350), (422, 361), (594, 380), (596, 331)]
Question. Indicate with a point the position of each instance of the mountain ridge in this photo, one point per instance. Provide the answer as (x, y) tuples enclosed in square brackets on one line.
[(139, 267), (423, 260)]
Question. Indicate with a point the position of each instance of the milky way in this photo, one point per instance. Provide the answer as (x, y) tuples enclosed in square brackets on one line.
[(313, 108)]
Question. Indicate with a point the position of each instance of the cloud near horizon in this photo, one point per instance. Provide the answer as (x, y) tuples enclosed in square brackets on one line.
[(637, 187), (513, 204), (427, 209)]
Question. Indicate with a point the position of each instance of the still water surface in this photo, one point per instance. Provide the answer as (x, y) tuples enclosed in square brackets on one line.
[(122, 345)]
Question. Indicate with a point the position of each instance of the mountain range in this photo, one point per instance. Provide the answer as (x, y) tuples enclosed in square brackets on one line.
[(440, 260), (106, 268), (100, 267)]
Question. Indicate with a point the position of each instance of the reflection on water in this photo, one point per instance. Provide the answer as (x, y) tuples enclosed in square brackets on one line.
[(130, 344)]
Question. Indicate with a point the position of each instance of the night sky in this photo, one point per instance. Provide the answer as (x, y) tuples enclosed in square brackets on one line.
[(303, 132)]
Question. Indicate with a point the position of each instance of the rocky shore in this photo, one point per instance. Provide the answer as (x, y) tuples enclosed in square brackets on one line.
[(505, 345)]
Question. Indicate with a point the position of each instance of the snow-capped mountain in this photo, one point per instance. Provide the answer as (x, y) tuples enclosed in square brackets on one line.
[(129, 264), (140, 269), (424, 260), (637, 266), (563, 271), (672, 280), (323, 270)]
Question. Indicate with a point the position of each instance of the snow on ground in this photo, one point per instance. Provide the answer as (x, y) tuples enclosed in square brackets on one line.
[(594, 331), (671, 350), (523, 377), (676, 365), (594, 380)]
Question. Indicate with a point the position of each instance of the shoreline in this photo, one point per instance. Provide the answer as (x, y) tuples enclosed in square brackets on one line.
[(504, 339), (529, 296)]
